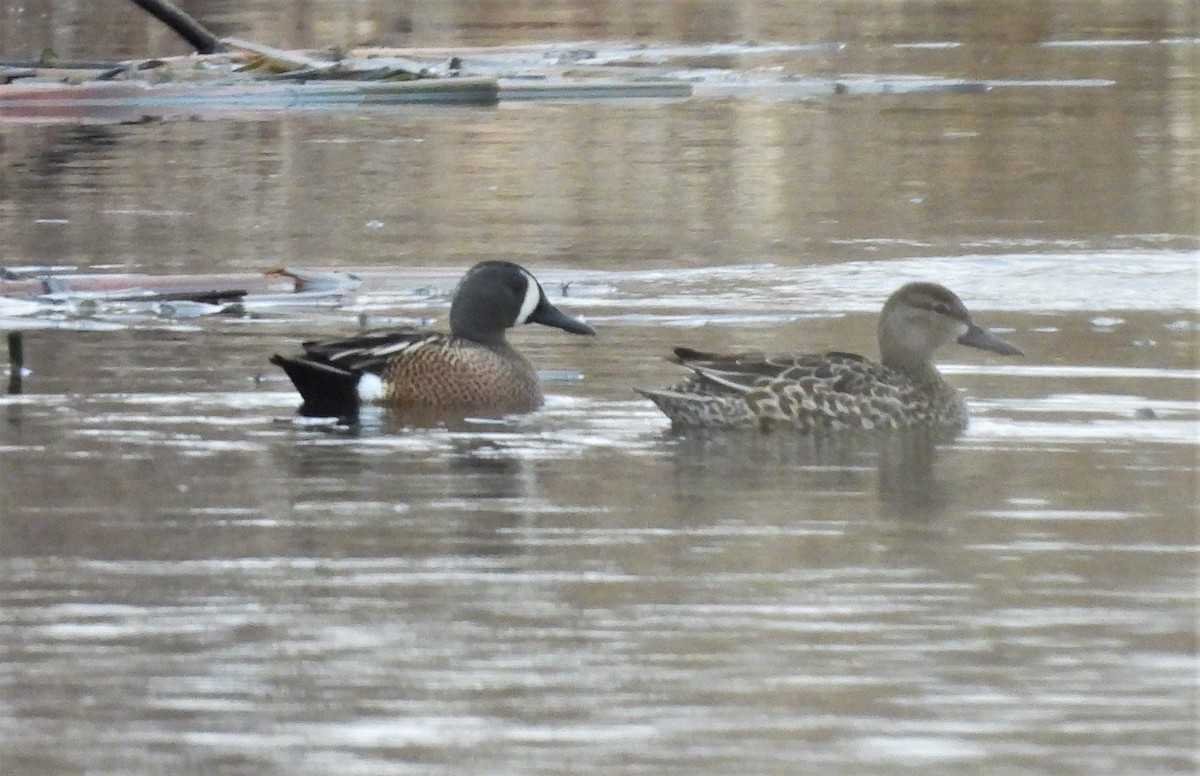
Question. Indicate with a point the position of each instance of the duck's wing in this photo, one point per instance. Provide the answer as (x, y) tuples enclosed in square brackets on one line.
[(843, 372), (372, 350), (839, 372), (750, 364), (836, 391), (811, 391)]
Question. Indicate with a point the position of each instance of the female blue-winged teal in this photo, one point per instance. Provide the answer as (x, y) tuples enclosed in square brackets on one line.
[(821, 393), (471, 369)]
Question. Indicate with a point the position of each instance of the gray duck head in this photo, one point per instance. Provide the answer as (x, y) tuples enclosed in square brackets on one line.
[(496, 295), (920, 318)]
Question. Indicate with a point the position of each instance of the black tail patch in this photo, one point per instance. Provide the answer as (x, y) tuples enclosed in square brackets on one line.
[(328, 392)]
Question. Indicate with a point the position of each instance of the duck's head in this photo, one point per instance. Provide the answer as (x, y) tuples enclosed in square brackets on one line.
[(919, 318), (496, 295)]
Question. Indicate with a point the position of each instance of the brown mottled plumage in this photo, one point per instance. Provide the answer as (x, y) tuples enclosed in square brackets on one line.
[(471, 370), (835, 392), (452, 372)]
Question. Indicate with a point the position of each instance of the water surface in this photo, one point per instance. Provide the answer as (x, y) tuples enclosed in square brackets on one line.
[(193, 581)]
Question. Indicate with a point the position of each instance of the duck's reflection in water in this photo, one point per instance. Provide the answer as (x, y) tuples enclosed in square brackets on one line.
[(456, 488), (907, 485), (899, 468)]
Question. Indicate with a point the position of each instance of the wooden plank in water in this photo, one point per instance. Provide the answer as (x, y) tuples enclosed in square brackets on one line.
[(591, 89), (43, 100), (135, 285)]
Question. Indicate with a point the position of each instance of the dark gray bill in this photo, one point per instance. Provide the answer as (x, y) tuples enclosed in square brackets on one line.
[(983, 339), (549, 315)]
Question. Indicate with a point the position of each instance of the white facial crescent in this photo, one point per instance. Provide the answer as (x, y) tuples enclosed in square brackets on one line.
[(533, 295)]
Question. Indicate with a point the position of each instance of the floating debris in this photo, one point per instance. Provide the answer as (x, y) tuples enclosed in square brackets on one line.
[(32, 300), (187, 309), (318, 280)]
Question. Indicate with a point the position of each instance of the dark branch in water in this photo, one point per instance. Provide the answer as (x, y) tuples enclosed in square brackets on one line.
[(16, 357), (188, 28)]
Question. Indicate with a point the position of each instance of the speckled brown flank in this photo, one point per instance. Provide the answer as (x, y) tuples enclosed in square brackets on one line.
[(820, 393), (456, 374)]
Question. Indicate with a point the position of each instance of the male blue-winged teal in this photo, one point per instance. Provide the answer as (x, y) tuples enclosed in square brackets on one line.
[(471, 369), (834, 392)]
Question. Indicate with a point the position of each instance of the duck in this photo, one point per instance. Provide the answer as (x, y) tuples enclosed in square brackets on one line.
[(838, 392), (472, 369)]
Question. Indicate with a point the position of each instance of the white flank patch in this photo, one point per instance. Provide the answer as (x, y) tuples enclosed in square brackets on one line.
[(963, 329), (370, 387), (533, 295)]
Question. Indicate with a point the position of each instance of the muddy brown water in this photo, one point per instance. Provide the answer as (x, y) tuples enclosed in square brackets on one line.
[(193, 582)]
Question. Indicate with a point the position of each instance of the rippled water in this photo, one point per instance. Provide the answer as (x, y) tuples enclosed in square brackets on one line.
[(192, 580), (193, 577)]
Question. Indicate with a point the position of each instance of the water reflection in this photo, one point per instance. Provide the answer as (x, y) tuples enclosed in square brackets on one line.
[(908, 486), (901, 465), (72, 151), (693, 183), (484, 487)]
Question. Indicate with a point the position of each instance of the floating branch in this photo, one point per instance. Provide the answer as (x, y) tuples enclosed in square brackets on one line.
[(195, 33)]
